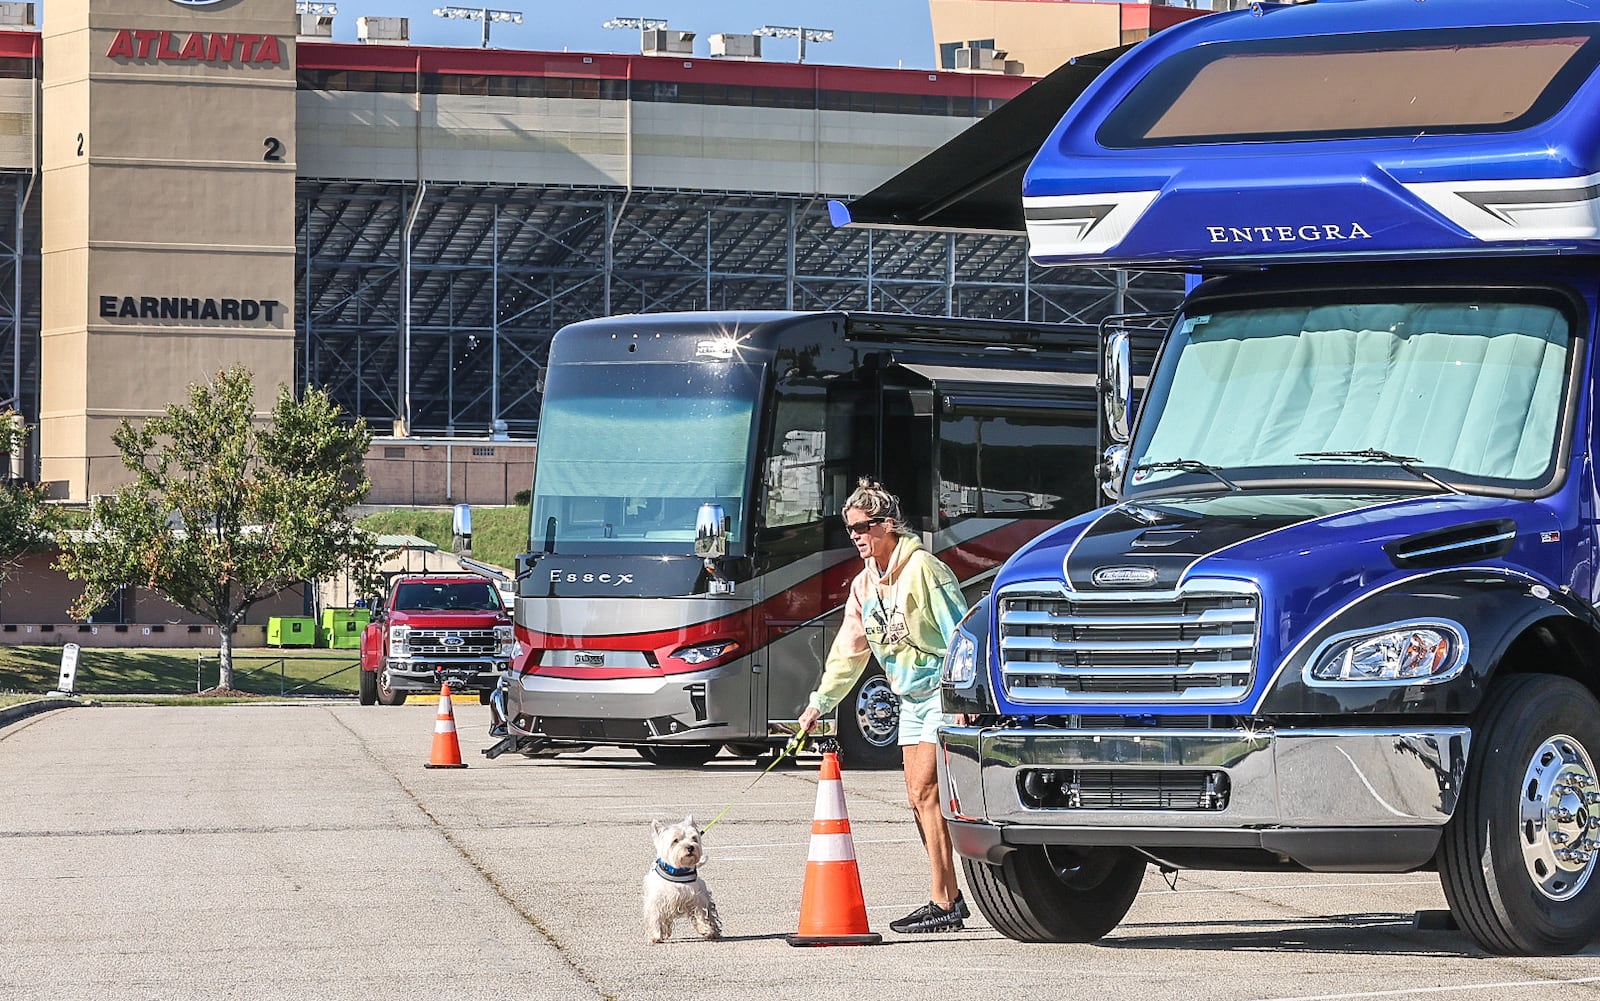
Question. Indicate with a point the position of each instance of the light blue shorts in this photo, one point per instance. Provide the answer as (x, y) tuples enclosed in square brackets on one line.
[(920, 721)]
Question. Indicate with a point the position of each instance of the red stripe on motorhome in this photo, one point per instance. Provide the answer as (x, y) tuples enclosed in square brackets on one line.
[(805, 602)]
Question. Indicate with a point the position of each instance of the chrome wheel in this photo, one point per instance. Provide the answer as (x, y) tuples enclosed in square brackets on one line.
[(1517, 857), (878, 712), (1560, 817), (387, 694)]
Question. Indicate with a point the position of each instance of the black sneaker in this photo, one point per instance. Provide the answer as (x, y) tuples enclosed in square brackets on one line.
[(929, 917), (961, 907)]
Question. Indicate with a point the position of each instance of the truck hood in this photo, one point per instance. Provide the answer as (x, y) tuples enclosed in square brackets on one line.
[(1275, 540), (1308, 556), (450, 620)]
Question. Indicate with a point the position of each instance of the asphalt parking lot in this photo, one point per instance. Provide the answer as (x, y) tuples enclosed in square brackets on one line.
[(303, 851)]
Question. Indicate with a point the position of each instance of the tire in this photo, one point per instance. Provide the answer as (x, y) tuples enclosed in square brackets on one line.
[(1052, 893), (678, 755), (748, 749), (484, 695), (1532, 781), (367, 688), (388, 696), (869, 724)]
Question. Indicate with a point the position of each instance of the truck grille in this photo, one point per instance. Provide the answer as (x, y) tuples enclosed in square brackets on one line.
[(1195, 644), (437, 643)]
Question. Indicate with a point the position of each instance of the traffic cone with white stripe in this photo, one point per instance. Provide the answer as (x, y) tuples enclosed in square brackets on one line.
[(832, 911), (446, 748)]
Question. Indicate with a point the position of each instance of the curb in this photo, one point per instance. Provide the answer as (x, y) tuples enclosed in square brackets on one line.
[(23, 710)]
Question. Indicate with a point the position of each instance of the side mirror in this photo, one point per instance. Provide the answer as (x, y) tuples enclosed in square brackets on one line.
[(461, 530), (1116, 387), (711, 532), (1113, 464)]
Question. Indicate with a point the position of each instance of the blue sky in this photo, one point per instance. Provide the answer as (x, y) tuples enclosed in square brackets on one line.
[(867, 32)]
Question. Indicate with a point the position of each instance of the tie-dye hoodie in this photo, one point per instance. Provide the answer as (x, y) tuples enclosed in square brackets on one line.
[(905, 619)]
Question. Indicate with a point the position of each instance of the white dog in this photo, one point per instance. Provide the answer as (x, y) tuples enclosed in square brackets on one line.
[(673, 887)]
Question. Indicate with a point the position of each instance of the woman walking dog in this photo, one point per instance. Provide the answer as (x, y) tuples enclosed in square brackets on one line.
[(903, 609)]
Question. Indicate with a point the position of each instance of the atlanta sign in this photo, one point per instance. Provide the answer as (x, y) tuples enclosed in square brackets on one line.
[(196, 47)]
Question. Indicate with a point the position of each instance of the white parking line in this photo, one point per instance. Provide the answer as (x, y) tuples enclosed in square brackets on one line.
[(1312, 886), (1496, 986)]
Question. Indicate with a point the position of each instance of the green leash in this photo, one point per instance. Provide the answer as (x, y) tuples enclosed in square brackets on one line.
[(793, 747)]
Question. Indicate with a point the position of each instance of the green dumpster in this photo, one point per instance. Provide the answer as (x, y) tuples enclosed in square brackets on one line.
[(342, 627), (291, 630)]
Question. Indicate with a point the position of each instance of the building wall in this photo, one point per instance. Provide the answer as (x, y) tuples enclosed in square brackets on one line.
[(19, 105), (1044, 34), (654, 141), (413, 472), (34, 598), (167, 174)]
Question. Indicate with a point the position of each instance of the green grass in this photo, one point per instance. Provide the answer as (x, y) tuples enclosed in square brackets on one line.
[(498, 533), (169, 676), (109, 672)]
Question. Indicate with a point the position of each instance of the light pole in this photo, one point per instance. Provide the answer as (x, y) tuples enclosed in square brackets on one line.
[(485, 14), (643, 24), (795, 31)]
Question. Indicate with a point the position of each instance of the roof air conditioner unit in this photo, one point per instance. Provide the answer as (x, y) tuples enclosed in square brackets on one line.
[(727, 46), (383, 30), (316, 26), (667, 42), (17, 15)]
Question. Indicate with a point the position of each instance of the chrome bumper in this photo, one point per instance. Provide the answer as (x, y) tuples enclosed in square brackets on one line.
[(420, 675), (698, 706), (1401, 784)]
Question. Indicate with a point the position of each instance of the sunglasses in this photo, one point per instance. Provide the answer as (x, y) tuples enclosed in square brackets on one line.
[(862, 527)]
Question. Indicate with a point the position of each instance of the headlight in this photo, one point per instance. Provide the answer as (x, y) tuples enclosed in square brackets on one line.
[(504, 637), (961, 662), (1417, 652), (703, 652), (398, 637)]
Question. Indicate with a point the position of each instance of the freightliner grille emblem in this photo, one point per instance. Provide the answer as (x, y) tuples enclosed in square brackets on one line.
[(1124, 577)]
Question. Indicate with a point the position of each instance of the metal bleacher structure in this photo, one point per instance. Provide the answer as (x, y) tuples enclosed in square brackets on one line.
[(497, 269), (497, 248), (19, 295)]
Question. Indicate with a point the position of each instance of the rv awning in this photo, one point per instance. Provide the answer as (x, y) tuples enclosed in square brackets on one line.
[(974, 181)]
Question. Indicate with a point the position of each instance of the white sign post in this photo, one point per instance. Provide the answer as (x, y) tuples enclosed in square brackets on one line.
[(69, 670)]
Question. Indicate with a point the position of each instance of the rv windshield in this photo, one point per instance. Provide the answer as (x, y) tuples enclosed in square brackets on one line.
[(629, 452), (1470, 391)]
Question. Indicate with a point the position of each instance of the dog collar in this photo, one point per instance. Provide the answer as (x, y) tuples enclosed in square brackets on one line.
[(673, 874)]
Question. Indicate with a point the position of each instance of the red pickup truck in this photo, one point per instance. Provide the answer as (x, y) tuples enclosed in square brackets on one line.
[(436, 628)]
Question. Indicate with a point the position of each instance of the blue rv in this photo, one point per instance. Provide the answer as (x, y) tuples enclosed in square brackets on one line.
[(1342, 615)]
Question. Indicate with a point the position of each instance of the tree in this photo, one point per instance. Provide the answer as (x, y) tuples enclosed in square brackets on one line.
[(225, 511), (27, 522)]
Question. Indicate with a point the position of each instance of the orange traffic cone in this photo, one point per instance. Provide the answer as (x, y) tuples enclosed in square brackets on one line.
[(446, 748), (831, 909)]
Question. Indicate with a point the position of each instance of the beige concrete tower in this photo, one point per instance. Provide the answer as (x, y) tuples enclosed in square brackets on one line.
[(168, 178)]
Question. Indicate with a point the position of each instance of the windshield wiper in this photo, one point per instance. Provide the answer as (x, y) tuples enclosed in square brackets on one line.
[(1188, 466), (1406, 462)]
